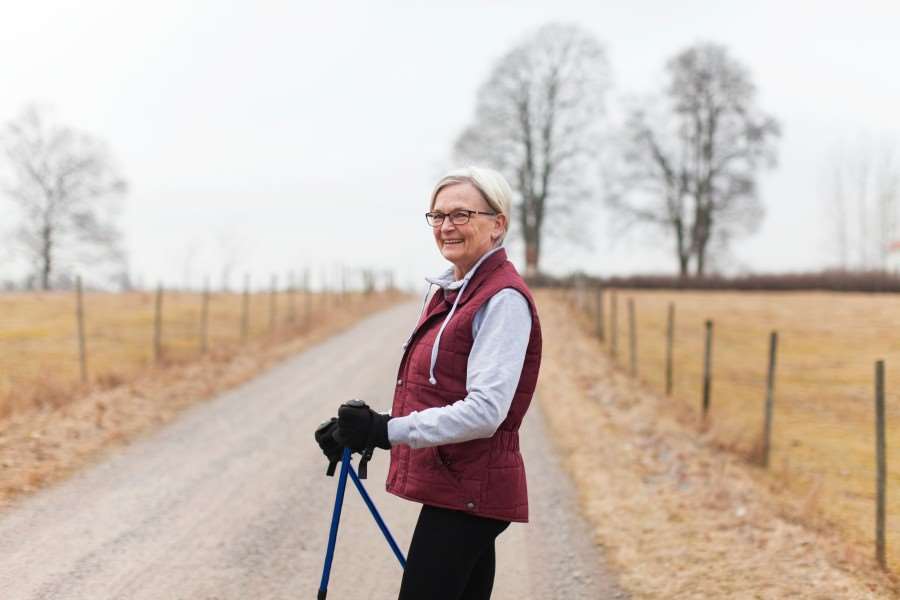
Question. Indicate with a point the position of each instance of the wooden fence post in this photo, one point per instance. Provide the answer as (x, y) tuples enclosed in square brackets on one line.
[(632, 338), (204, 320), (585, 295), (79, 314), (157, 325), (292, 300), (600, 324), (614, 326), (707, 368), (323, 289), (881, 466), (670, 343), (308, 300), (576, 293), (770, 399), (579, 293), (273, 304), (245, 310)]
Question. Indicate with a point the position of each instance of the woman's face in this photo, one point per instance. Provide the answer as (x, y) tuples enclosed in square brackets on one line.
[(463, 245)]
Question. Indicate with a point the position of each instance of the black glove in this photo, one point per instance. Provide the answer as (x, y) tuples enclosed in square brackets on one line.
[(361, 429), (330, 446)]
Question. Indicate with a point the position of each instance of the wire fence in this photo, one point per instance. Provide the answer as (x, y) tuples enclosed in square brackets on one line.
[(797, 382), (55, 344)]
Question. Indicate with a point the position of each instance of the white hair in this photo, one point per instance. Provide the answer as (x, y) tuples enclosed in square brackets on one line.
[(492, 185)]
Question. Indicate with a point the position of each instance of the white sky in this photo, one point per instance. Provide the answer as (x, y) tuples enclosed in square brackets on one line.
[(312, 131)]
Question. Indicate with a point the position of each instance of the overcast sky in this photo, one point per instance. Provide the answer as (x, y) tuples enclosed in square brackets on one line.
[(311, 132)]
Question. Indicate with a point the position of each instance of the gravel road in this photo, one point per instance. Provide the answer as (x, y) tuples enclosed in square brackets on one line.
[(230, 501)]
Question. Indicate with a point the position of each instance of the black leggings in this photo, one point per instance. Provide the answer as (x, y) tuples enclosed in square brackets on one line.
[(451, 556)]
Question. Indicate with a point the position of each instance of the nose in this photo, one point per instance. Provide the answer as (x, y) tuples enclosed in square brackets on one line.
[(447, 225)]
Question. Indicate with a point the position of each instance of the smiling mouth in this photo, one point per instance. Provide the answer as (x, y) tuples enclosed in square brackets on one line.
[(452, 242)]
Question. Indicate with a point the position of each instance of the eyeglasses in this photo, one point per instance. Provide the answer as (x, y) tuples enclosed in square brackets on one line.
[(457, 217)]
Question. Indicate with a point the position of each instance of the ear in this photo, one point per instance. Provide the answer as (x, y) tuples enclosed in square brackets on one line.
[(500, 226)]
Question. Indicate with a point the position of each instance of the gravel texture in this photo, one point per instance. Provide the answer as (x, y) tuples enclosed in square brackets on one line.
[(231, 501)]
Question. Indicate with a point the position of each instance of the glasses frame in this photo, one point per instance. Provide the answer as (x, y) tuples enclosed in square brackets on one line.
[(468, 213)]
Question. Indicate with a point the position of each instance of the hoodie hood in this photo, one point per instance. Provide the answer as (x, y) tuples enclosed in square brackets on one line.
[(446, 282)]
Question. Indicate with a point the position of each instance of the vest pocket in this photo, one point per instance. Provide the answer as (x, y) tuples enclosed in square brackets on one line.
[(465, 476), (441, 464)]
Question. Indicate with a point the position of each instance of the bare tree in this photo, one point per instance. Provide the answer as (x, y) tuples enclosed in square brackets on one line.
[(690, 160), (234, 251), (652, 184), (864, 177), (65, 187), (838, 213), (887, 188), (537, 118), (188, 257), (7, 232)]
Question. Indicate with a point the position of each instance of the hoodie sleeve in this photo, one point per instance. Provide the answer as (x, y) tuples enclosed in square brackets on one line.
[(501, 328)]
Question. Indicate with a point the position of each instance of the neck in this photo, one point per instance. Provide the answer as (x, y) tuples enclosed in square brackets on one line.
[(459, 271)]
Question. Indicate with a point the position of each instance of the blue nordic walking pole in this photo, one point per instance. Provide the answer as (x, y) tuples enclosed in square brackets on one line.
[(381, 525), (335, 521), (347, 469)]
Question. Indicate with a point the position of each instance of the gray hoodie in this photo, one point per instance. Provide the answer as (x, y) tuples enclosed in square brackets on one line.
[(501, 330)]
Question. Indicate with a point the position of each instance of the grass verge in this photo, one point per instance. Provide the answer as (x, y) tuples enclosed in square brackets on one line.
[(680, 518), (44, 442)]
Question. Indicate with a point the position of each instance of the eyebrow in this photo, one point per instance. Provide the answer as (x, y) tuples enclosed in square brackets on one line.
[(450, 210)]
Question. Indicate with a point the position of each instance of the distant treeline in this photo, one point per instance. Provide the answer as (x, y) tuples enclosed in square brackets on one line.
[(836, 281)]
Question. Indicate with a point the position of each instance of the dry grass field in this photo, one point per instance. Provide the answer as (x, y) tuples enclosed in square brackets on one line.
[(823, 440), (677, 516), (39, 363), (53, 425)]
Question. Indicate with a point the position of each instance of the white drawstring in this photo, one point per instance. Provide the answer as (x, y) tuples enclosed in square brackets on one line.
[(437, 340)]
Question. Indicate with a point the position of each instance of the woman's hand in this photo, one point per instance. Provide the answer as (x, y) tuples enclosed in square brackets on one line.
[(330, 447), (360, 428)]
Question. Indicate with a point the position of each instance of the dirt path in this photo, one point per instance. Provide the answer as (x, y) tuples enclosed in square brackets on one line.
[(230, 501)]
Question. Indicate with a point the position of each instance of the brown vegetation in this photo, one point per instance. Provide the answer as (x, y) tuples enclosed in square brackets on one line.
[(823, 445), (832, 280), (52, 425), (680, 518), (39, 365)]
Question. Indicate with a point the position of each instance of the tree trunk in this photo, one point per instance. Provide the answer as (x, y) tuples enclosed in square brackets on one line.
[(532, 255), (684, 255), (700, 250), (46, 257), (702, 244), (683, 265), (530, 220), (531, 268)]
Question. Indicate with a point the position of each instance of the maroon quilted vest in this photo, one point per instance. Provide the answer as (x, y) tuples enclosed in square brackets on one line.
[(485, 477)]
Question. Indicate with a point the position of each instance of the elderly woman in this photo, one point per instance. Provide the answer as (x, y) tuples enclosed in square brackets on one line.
[(465, 381)]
